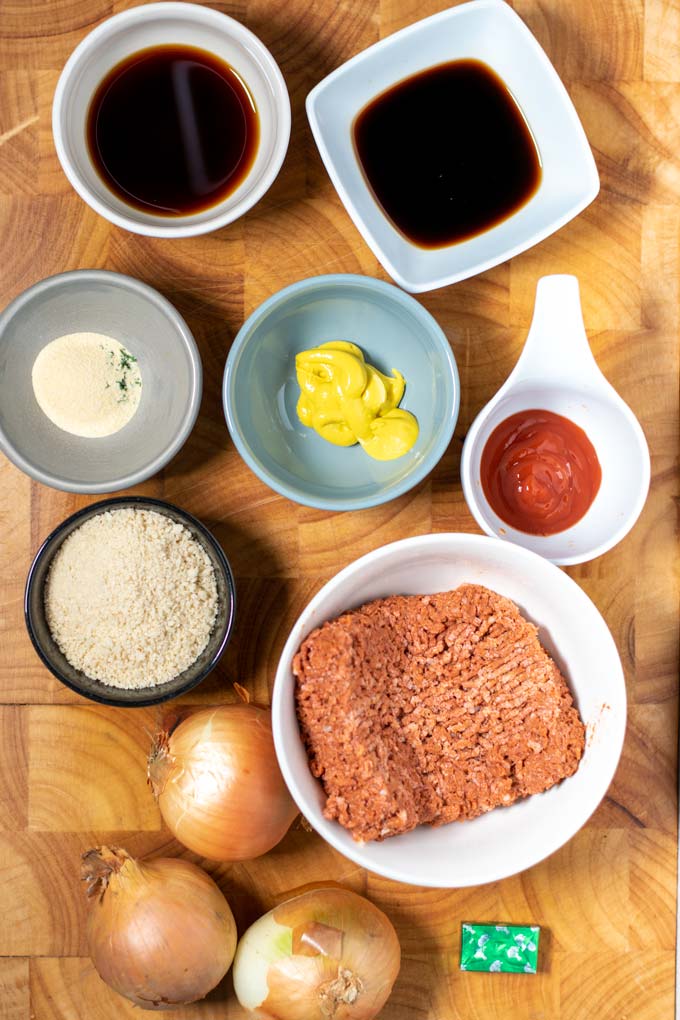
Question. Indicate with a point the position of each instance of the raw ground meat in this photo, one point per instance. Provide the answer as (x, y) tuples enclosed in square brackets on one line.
[(432, 708)]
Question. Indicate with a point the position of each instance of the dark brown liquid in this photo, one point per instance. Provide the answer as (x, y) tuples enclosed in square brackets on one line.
[(172, 130), (447, 153)]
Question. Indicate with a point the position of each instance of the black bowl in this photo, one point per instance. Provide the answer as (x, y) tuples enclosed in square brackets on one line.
[(54, 658)]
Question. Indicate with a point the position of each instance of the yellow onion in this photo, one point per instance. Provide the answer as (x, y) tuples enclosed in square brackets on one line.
[(160, 932), (327, 954), (218, 783)]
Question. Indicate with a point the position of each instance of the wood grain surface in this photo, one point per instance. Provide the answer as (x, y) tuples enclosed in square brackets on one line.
[(72, 775)]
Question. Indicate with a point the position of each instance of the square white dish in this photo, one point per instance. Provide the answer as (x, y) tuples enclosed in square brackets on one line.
[(485, 30)]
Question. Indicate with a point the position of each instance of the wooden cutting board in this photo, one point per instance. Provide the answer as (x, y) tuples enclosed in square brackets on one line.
[(72, 774)]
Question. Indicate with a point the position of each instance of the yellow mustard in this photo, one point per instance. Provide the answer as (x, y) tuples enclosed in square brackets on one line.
[(348, 401)]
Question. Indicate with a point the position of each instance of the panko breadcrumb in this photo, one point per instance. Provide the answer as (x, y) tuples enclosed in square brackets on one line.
[(131, 598), (432, 708)]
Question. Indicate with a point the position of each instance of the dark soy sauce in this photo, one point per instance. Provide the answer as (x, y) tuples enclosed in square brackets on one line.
[(172, 130), (447, 153)]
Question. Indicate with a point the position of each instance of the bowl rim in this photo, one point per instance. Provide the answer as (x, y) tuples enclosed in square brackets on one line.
[(589, 192), (394, 294), (93, 510), (329, 830), (144, 290), (174, 226)]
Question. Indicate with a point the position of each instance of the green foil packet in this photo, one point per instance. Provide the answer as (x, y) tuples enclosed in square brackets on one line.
[(509, 948)]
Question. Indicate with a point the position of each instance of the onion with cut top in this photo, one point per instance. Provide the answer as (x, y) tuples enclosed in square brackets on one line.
[(327, 954), (160, 932), (218, 783)]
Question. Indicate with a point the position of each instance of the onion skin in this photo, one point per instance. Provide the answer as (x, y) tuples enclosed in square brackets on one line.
[(160, 932), (287, 965), (218, 783)]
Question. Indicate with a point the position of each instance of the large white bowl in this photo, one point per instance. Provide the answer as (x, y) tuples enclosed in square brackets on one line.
[(506, 840), (160, 24), (486, 30)]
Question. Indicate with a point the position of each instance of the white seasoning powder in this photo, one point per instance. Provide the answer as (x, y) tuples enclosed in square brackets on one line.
[(131, 598), (87, 384)]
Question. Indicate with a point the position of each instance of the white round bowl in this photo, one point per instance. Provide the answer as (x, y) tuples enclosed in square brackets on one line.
[(507, 840), (161, 24)]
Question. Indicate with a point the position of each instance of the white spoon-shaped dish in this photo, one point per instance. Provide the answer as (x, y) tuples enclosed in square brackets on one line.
[(557, 372)]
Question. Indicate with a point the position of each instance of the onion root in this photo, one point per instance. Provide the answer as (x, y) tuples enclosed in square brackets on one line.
[(344, 990)]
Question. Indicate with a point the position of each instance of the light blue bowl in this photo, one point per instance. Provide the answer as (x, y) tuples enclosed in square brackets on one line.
[(260, 390)]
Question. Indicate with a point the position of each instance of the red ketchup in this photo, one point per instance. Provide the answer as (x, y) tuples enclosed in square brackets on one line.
[(539, 472)]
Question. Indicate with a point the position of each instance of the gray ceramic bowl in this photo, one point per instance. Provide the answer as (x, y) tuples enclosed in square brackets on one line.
[(56, 661), (92, 300), (260, 390)]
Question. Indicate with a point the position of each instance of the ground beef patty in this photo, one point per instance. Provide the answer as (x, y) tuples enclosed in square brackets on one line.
[(432, 708)]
